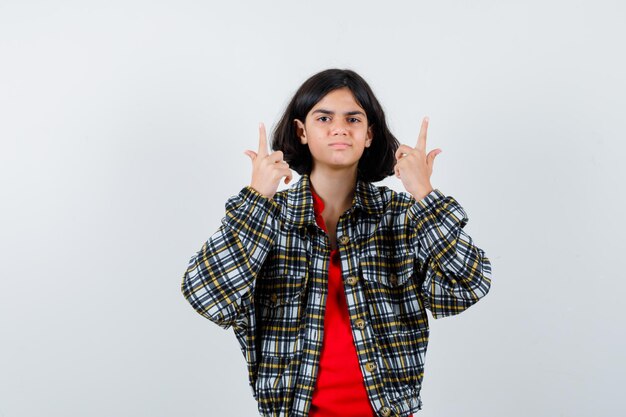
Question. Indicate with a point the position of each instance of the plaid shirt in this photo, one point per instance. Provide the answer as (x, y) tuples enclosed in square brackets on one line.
[(264, 272)]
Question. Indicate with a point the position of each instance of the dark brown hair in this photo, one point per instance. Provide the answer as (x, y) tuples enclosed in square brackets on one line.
[(378, 159)]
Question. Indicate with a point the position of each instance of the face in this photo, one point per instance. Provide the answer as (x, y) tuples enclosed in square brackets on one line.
[(336, 131)]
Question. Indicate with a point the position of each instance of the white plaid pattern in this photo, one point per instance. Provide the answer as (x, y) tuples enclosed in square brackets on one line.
[(264, 273)]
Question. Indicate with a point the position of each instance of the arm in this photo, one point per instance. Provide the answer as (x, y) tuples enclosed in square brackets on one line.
[(456, 273), (219, 281)]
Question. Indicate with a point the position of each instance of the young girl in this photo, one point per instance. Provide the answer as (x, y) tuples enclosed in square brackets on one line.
[(325, 284)]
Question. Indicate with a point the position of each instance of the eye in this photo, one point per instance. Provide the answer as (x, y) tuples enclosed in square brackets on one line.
[(354, 120), (322, 117)]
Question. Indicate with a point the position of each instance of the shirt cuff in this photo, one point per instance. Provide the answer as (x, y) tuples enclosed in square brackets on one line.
[(249, 203), (419, 208)]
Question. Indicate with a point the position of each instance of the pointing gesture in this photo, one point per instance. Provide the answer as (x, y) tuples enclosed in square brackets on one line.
[(414, 167), (267, 169)]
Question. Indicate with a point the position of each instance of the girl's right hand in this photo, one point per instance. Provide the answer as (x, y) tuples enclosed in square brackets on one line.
[(267, 169)]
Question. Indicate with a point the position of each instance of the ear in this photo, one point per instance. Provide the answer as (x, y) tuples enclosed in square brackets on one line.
[(300, 131), (370, 136)]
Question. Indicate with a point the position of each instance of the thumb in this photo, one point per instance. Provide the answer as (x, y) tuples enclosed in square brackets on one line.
[(432, 155), (251, 154)]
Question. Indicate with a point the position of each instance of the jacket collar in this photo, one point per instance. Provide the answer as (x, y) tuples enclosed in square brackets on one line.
[(299, 211)]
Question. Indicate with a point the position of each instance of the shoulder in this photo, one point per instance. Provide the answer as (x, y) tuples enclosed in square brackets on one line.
[(281, 197), (388, 200), (396, 203), (391, 197)]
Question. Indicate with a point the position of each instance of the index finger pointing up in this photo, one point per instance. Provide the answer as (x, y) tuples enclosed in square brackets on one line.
[(262, 141), (421, 139)]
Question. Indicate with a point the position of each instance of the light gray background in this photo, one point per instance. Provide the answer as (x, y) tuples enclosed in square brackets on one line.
[(123, 126)]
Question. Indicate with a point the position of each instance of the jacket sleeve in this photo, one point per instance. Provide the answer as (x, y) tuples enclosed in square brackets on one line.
[(455, 272), (219, 280)]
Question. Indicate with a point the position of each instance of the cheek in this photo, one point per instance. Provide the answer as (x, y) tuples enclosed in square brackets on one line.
[(314, 147)]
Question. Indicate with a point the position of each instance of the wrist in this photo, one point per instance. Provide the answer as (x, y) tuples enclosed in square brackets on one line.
[(260, 191), (422, 193)]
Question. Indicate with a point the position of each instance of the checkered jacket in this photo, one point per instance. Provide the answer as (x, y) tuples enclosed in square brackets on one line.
[(264, 274)]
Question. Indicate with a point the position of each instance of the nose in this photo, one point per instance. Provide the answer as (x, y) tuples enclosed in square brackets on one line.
[(339, 128)]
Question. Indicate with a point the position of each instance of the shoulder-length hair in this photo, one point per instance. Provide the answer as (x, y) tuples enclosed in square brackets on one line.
[(378, 159)]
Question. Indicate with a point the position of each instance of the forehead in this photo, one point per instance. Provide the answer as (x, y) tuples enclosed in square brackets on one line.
[(340, 98)]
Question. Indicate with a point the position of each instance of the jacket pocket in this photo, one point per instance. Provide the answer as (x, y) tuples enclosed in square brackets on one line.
[(279, 290), (279, 308), (390, 271), (393, 293), (276, 293), (403, 356)]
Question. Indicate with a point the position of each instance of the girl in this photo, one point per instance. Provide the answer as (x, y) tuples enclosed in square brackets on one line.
[(326, 284)]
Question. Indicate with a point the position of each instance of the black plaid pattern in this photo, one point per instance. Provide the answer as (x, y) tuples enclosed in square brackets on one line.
[(264, 274)]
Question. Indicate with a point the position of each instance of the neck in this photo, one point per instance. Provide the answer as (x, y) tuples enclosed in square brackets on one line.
[(336, 188)]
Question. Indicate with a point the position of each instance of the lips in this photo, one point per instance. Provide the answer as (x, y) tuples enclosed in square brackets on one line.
[(339, 145)]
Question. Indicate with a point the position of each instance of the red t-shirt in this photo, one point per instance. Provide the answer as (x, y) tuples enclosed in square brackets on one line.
[(339, 389)]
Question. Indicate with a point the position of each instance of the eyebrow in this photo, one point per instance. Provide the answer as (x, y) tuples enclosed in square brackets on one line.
[(348, 113)]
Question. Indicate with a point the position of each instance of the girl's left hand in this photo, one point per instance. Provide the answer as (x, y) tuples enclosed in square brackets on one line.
[(414, 167)]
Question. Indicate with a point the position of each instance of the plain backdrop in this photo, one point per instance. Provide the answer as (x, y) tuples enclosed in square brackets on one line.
[(123, 126)]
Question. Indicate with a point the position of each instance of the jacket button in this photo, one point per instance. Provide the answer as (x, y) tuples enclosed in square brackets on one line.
[(393, 279), (274, 298), (352, 280), (343, 239), (385, 411), (370, 366), (359, 324)]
